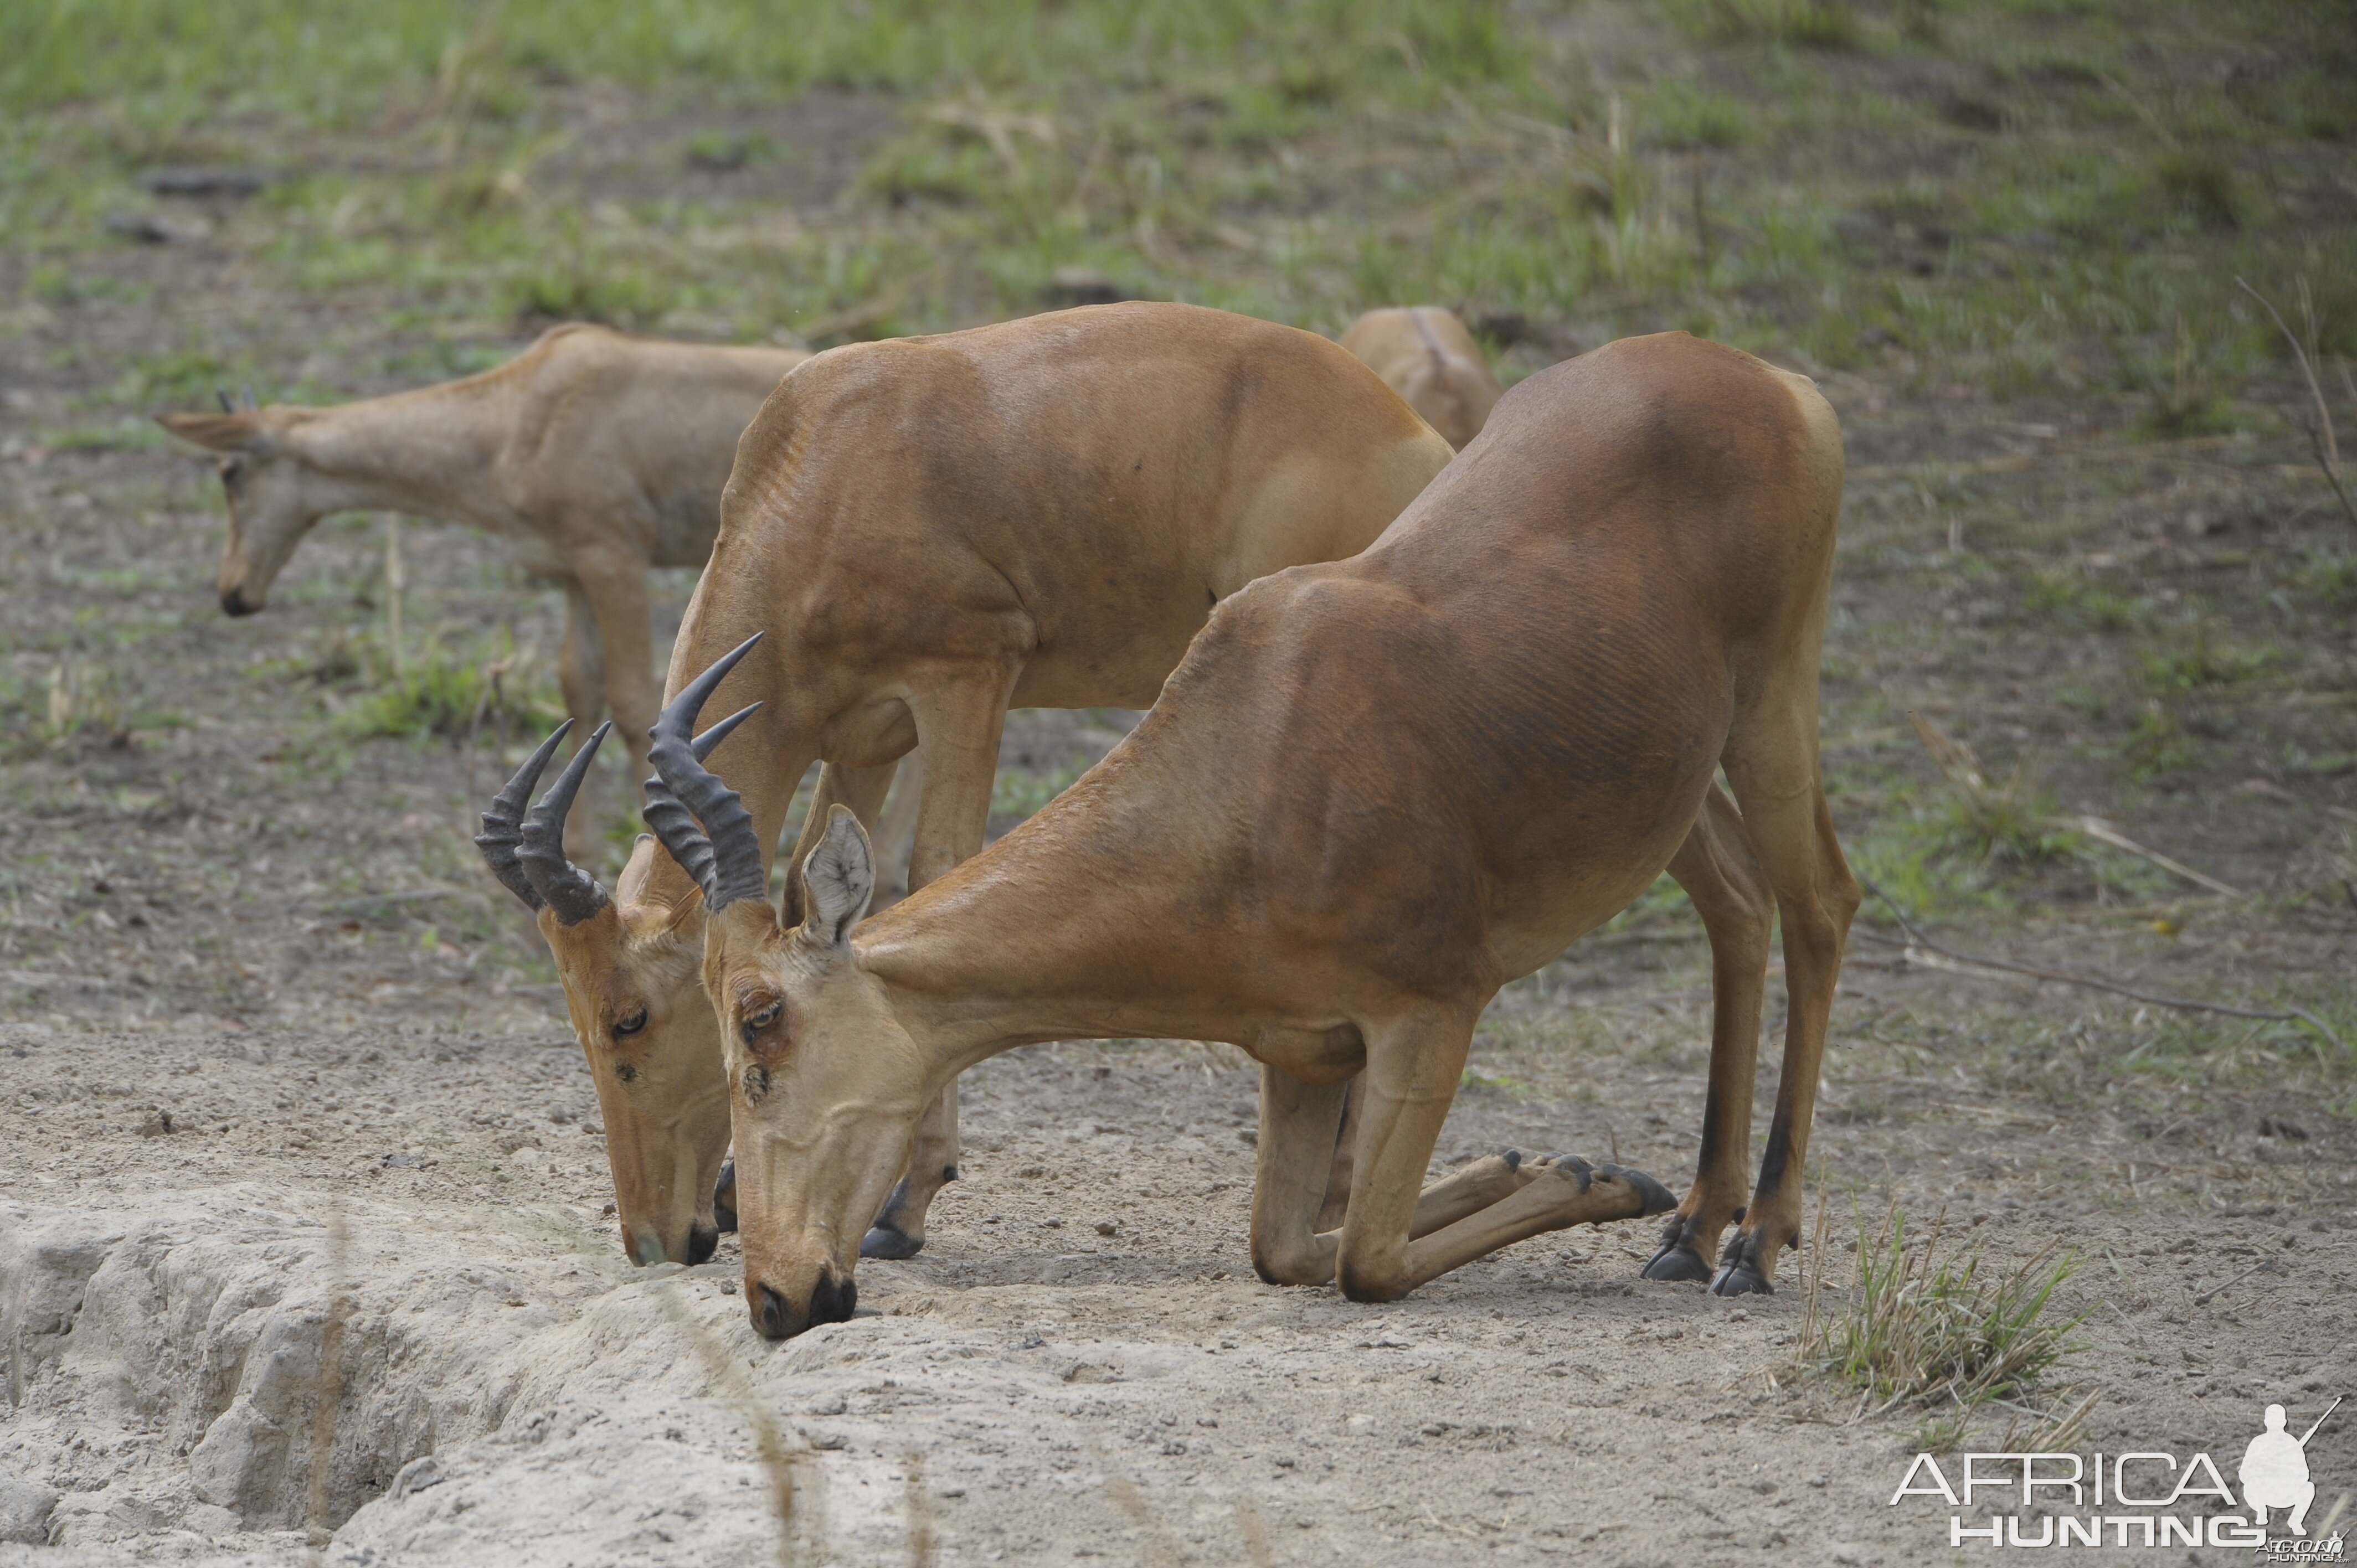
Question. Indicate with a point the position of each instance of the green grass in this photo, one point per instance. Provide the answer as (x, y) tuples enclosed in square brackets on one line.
[(1949, 1333), (1016, 795), (2202, 663), (434, 690), (1303, 160)]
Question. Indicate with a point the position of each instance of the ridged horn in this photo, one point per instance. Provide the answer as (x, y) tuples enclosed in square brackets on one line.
[(723, 853), (503, 823), (572, 892)]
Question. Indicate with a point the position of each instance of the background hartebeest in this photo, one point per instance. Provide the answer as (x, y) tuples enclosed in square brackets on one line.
[(930, 530), (594, 455), (1424, 354), (1374, 791)]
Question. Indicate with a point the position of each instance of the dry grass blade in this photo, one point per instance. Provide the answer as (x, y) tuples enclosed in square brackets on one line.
[(2050, 1432), (779, 1462), (1919, 949), (920, 1512), (325, 1410), (2104, 833), (2320, 428)]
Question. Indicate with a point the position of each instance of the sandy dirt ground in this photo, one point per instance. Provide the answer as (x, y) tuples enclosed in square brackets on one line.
[(1080, 1365)]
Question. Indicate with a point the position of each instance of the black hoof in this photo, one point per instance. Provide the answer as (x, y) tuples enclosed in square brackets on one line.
[(883, 1241), (724, 1197), (1675, 1261), (1658, 1199), (1513, 1158), (1741, 1272)]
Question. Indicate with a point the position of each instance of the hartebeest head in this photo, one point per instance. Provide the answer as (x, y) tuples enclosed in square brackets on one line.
[(275, 497), (629, 964), (820, 1136)]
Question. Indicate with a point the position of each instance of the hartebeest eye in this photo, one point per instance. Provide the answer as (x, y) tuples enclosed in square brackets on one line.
[(630, 1024), (759, 1020)]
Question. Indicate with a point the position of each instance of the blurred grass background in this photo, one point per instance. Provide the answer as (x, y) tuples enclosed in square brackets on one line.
[(2024, 196)]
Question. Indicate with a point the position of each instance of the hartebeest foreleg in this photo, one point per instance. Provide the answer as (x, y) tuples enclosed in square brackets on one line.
[(959, 730), (1772, 760), (1338, 1179), (1721, 873), (1291, 1243), (1410, 1075)]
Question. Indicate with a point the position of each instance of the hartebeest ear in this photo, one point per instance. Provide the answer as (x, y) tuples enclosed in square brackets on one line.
[(837, 877), (241, 431)]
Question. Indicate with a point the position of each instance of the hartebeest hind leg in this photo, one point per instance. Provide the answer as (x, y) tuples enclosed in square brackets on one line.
[(1772, 760), (959, 730), (1721, 873)]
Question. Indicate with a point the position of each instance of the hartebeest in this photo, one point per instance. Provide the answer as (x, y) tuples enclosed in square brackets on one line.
[(1372, 793), (1424, 354), (594, 455), (930, 530)]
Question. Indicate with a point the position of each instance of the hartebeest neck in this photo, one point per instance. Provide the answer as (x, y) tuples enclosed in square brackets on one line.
[(430, 452), (1034, 942)]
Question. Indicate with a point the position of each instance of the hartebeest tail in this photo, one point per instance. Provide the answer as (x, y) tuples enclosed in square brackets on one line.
[(923, 533), (1374, 791)]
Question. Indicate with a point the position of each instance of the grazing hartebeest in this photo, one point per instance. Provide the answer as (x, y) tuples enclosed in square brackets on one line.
[(1424, 354), (594, 455), (1372, 793), (931, 531)]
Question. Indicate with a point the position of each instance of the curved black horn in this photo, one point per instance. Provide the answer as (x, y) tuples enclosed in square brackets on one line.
[(247, 394), (672, 824), (724, 855), (572, 892), (222, 393), (503, 823)]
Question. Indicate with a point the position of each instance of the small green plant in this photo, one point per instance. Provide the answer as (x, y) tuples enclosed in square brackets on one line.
[(1683, 117), (1807, 24), (435, 691), (83, 699), (2203, 664), (2204, 184), (1938, 1332), (2072, 599), (2187, 401), (2159, 744), (2011, 822)]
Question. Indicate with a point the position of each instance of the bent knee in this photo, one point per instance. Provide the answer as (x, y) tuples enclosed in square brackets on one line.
[(1279, 1263), (1363, 1279)]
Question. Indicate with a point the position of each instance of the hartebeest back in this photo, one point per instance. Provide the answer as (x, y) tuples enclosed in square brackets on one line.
[(1424, 354), (1374, 791), (928, 531), (596, 455)]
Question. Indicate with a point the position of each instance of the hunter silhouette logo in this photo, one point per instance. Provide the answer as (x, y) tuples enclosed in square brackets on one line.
[(2274, 1471)]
